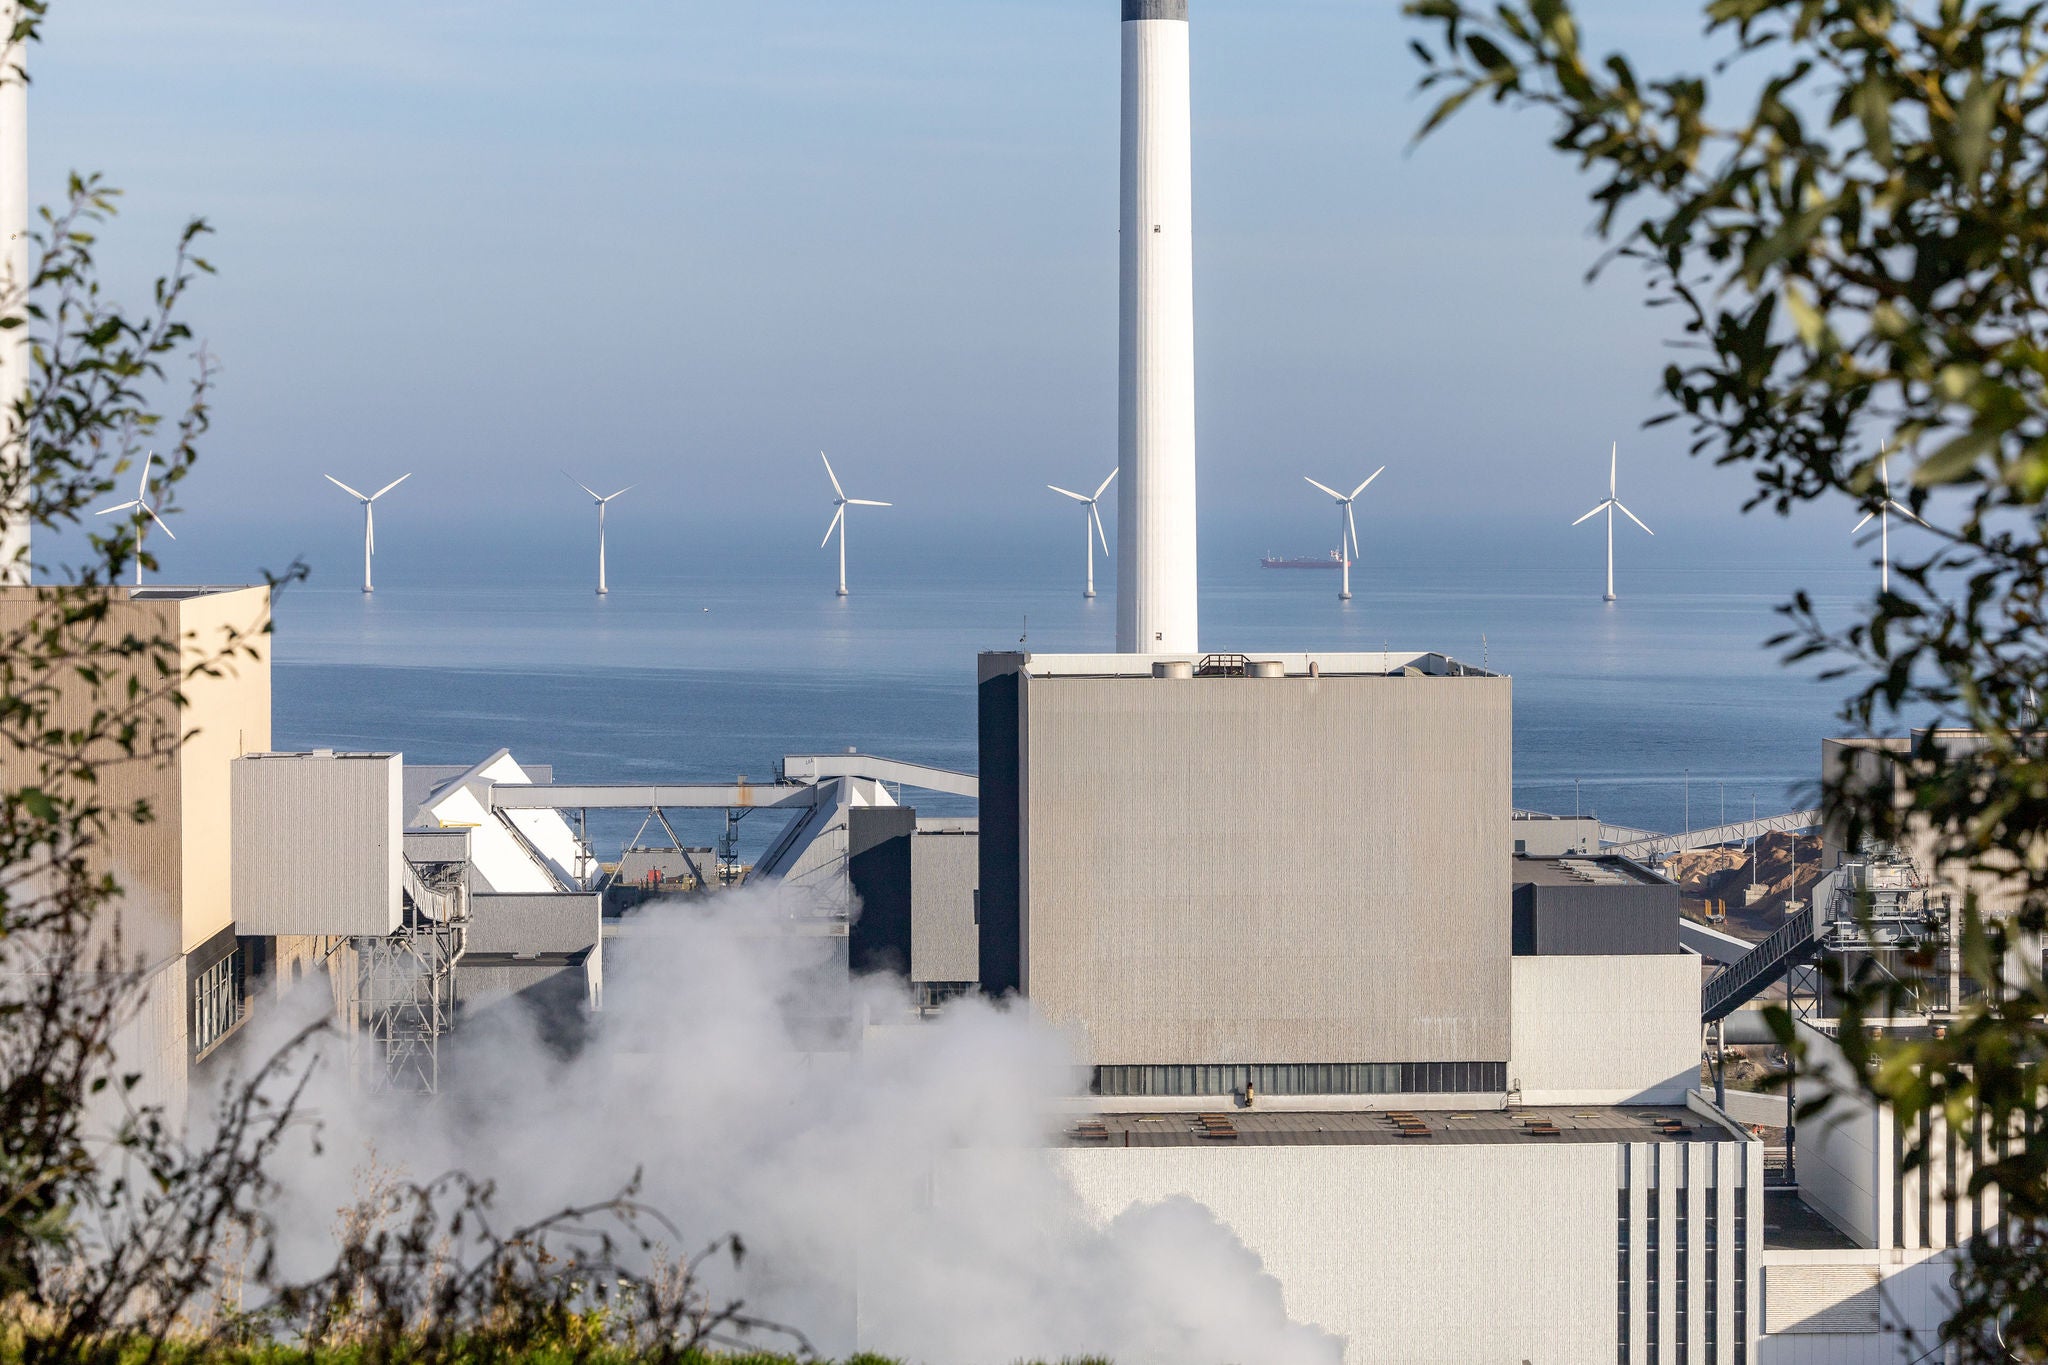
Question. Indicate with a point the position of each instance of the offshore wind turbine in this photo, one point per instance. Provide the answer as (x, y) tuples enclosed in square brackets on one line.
[(145, 514), (840, 502), (1610, 507), (1346, 522), (600, 499), (369, 518), (1885, 507), (1091, 526)]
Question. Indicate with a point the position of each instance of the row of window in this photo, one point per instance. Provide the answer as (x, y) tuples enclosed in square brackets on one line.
[(1681, 1300), (1306, 1078)]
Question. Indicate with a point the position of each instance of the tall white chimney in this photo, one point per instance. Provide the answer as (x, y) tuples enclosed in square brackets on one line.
[(1155, 553), (14, 279)]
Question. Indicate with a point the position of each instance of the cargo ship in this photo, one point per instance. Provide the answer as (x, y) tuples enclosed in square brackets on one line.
[(1331, 560)]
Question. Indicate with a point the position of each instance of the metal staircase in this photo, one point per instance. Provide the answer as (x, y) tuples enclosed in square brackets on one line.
[(1794, 941)]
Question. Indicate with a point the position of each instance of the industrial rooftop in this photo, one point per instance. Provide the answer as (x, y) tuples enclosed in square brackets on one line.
[(1374, 663), (1581, 871), (1396, 1127)]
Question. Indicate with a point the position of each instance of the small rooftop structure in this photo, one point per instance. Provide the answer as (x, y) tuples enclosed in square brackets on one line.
[(1591, 906)]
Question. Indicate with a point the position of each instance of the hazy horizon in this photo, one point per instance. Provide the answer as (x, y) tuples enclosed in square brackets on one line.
[(689, 247)]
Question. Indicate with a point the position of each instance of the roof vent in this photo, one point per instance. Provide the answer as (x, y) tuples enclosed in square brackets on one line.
[(1173, 668), (1265, 668)]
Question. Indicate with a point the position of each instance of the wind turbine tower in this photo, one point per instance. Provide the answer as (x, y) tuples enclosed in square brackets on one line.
[(1156, 600), (144, 514), (1885, 507), (1610, 507), (369, 519), (601, 499), (1091, 526), (1347, 523), (840, 502)]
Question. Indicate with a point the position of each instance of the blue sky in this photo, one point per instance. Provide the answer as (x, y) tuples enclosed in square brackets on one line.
[(687, 245)]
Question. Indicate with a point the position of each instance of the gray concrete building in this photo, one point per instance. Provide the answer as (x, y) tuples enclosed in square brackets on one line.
[(1283, 870)]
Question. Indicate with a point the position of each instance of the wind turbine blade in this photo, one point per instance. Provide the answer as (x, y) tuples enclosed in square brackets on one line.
[(1631, 516), (830, 475), (1905, 512), (580, 484), (1100, 534), (1613, 466), (143, 491), (838, 514), (1368, 482), (1326, 488), (160, 522), (122, 507), (867, 502), (389, 486), (1351, 520), (1103, 487), (620, 494), (1594, 513), (344, 488), (1068, 493), (1867, 518)]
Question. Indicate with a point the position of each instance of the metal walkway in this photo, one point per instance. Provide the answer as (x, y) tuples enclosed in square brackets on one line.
[(798, 786), (1658, 845), (1796, 940)]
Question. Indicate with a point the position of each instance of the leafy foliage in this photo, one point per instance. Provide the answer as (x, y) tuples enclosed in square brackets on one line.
[(1845, 215), (121, 1237)]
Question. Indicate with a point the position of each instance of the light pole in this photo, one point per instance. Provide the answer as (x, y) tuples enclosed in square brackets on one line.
[(1688, 800), (1575, 798)]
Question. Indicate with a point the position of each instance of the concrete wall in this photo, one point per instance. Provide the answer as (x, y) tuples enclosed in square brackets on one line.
[(175, 870), (1395, 1249), (1553, 836), (1852, 1307), (1264, 870), (1845, 1155), (225, 715), (1595, 919), (318, 843), (1606, 1030), (945, 868), (532, 925), (151, 1041)]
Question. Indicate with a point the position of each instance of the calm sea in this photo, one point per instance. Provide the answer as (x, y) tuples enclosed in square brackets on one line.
[(1651, 711)]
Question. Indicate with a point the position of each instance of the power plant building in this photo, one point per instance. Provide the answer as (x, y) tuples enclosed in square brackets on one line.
[(1286, 871)]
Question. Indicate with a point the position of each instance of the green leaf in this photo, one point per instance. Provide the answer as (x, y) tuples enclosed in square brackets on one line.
[(1806, 319), (1872, 103), (1956, 459), (1487, 54), (1973, 128), (1450, 105)]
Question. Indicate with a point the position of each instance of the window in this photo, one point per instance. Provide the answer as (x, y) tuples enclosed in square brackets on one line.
[(1742, 1269), (1651, 1267), (1305, 1078), (1710, 1338), (1621, 1268), (1681, 1282), (216, 1004)]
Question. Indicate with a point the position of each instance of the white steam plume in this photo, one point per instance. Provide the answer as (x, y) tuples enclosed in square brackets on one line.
[(897, 1196)]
